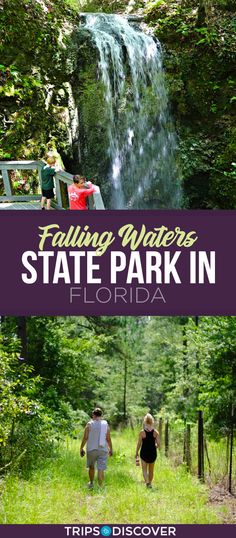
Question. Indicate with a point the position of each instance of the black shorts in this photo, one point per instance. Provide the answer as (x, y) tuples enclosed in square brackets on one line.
[(48, 193)]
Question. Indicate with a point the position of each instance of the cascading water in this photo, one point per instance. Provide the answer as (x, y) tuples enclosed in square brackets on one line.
[(141, 137)]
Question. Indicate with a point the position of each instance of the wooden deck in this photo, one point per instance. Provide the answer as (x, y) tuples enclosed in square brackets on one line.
[(20, 205), (9, 200)]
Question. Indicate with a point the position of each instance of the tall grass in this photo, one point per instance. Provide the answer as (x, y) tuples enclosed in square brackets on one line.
[(216, 458), (58, 492)]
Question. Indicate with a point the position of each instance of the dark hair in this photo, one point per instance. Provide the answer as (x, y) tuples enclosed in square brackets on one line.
[(97, 412), (78, 178)]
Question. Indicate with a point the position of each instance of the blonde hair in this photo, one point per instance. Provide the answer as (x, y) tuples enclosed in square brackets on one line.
[(51, 159), (148, 419)]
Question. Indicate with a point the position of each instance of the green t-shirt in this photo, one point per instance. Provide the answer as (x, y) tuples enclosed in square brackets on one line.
[(47, 174)]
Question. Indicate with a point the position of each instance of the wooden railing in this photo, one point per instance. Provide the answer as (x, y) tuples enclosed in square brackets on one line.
[(62, 181)]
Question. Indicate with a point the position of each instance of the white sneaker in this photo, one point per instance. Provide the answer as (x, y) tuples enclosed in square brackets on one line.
[(90, 485)]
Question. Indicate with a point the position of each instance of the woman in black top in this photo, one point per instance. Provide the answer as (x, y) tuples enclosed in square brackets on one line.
[(148, 441)]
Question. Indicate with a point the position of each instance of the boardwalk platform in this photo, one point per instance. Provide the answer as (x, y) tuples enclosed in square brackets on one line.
[(10, 200), (19, 205)]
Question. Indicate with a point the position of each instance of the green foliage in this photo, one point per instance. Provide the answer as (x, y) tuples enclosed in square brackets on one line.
[(200, 66), (217, 356), (23, 428), (232, 173), (24, 183), (222, 179), (34, 68), (43, 391), (182, 366)]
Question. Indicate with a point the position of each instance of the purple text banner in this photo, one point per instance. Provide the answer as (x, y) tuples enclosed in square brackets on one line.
[(110, 530), (156, 263)]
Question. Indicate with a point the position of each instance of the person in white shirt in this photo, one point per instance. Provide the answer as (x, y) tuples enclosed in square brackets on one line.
[(98, 443)]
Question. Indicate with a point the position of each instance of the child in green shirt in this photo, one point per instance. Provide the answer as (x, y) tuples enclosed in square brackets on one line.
[(47, 175)]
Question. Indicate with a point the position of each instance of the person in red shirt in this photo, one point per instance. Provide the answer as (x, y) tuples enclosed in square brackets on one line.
[(79, 191)]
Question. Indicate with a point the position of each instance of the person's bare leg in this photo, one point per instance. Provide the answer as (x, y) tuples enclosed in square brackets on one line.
[(43, 200), (91, 474), (49, 203), (145, 470), (151, 472), (101, 477)]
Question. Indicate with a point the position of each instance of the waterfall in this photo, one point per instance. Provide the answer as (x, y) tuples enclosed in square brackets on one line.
[(141, 136)]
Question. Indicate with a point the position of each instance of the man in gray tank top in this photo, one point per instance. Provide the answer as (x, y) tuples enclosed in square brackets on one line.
[(98, 440)]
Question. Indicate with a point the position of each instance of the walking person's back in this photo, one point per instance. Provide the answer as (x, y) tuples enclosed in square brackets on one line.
[(96, 441), (148, 450), (99, 446), (148, 442)]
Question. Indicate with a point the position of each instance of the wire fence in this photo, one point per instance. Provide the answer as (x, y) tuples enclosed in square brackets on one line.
[(189, 444)]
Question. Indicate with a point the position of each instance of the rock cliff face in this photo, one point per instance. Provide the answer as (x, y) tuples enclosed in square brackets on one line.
[(50, 95)]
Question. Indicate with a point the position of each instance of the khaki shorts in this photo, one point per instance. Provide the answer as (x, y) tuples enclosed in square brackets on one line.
[(99, 457)]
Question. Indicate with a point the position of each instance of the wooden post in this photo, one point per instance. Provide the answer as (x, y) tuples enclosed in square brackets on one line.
[(167, 438), (184, 451), (125, 390), (58, 191), (64, 194), (200, 446), (227, 450), (231, 449), (6, 182), (207, 456), (187, 446), (98, 201), (160, 427)]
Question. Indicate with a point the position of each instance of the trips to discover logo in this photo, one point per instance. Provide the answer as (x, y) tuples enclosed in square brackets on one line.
[(121, 530)]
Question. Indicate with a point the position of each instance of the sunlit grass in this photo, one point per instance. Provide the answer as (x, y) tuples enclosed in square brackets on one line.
[(58, 492), (217, 462)]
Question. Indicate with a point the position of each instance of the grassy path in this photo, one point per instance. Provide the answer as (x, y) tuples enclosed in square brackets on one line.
[(58, 492)]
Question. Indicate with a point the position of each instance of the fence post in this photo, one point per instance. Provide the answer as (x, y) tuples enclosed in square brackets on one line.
[(6, 182), (200, 446), (58, 191), (160, 430), (167, 438), (187, 446), (231, 449), (64, 194), (207, 456), (227, 450), (184, 451)]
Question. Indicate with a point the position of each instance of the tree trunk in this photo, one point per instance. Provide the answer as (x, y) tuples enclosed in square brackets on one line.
[(125, 390), (201, 14)]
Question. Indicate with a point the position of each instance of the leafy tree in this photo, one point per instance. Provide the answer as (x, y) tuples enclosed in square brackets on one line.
[(19, 404)]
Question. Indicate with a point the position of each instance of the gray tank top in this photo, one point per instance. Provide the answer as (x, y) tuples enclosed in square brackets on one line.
[(94, 436)]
